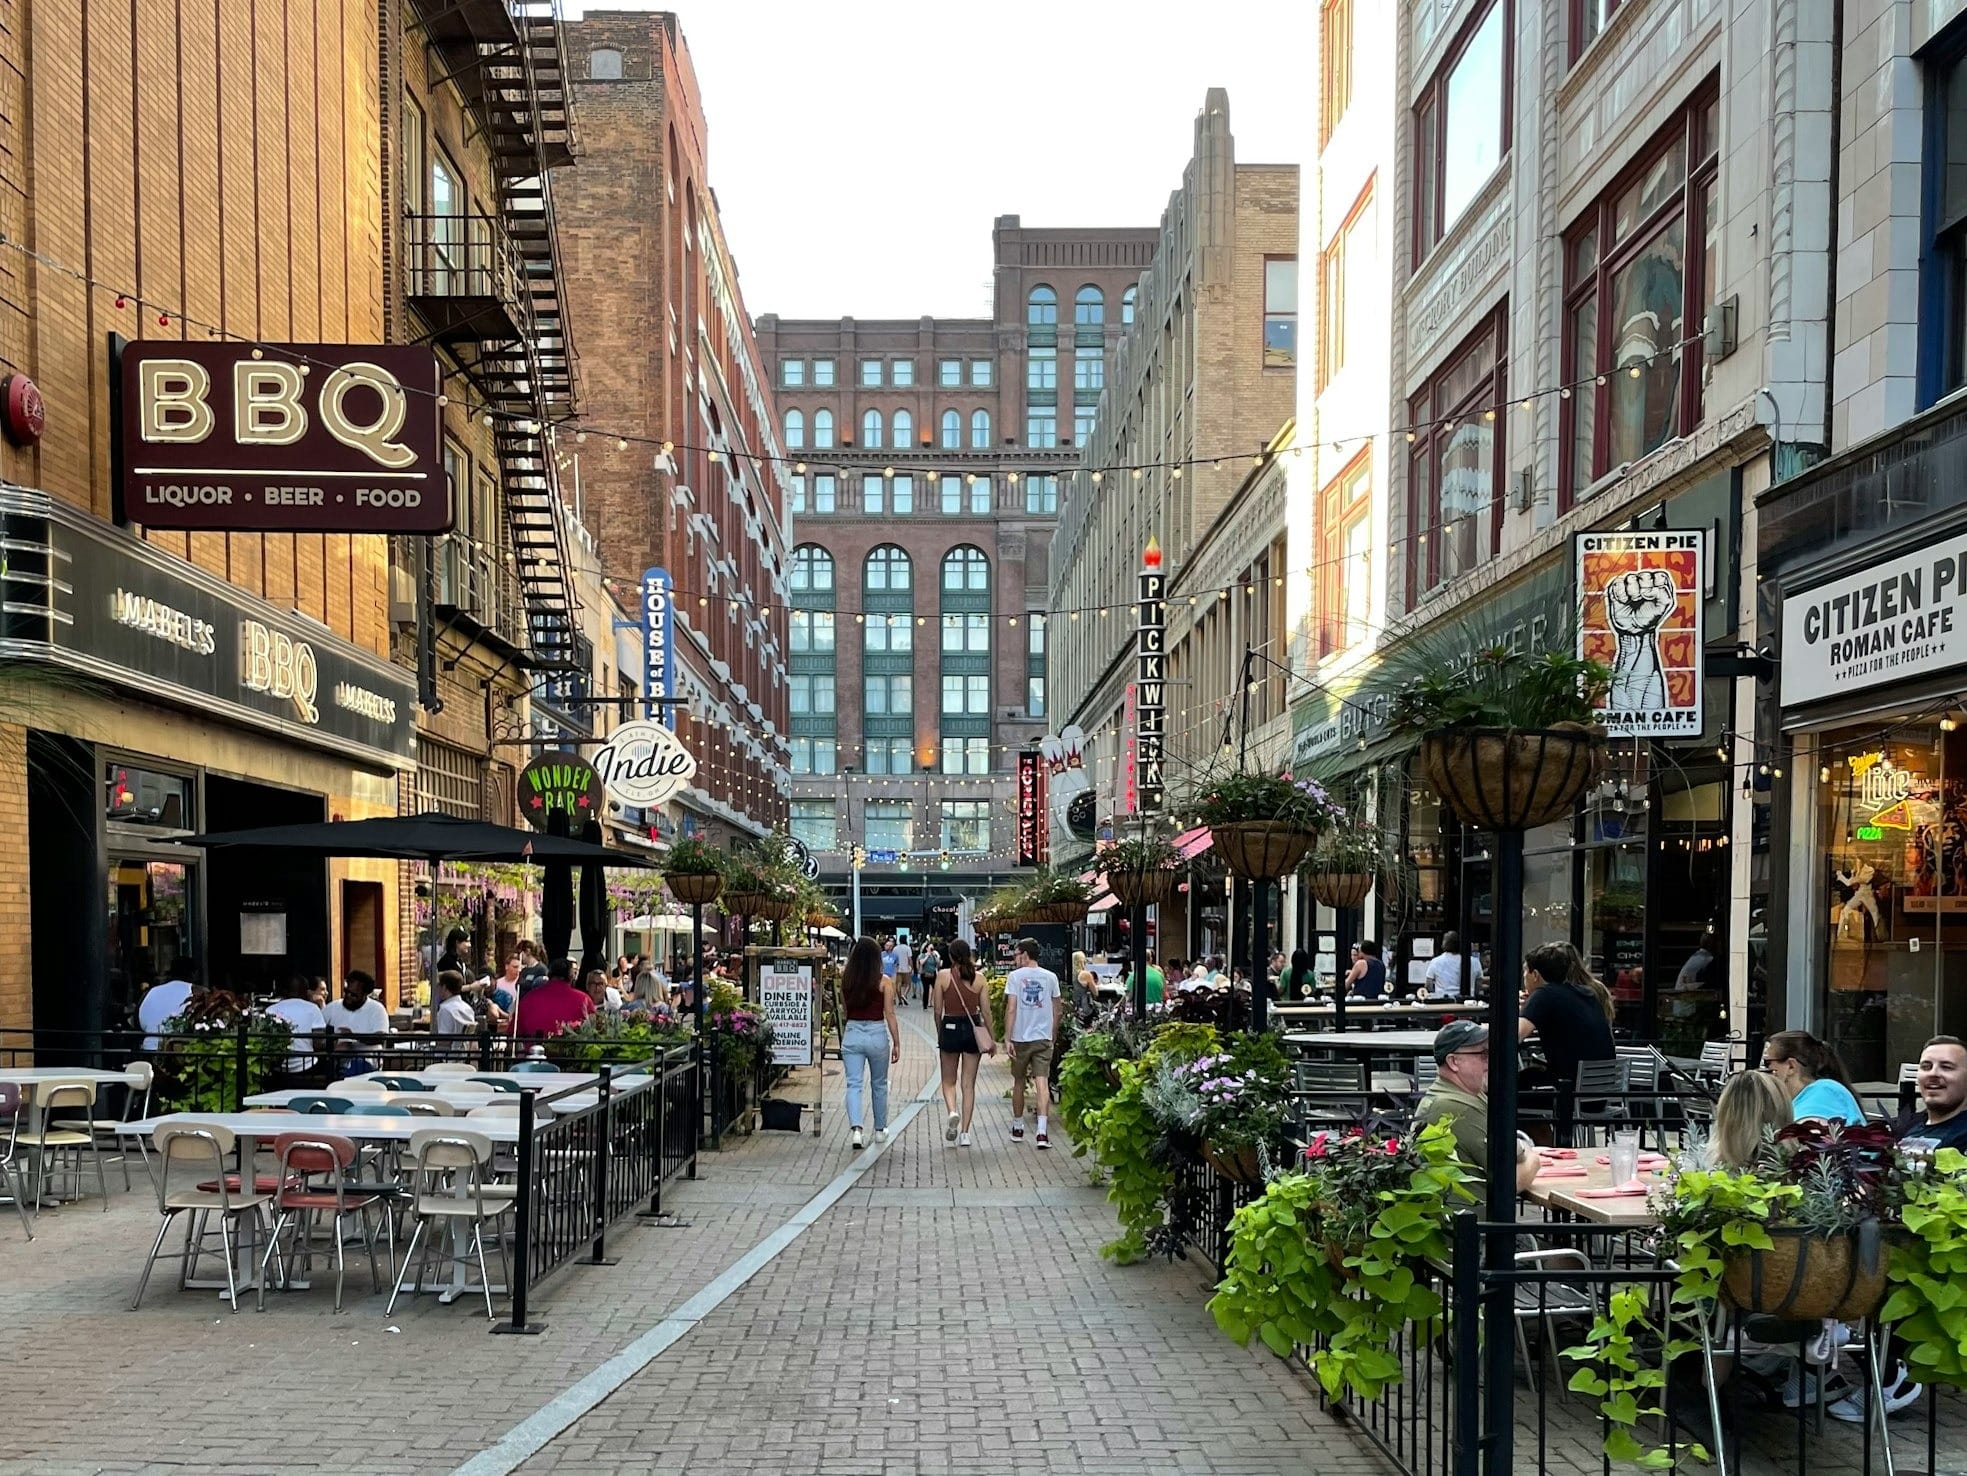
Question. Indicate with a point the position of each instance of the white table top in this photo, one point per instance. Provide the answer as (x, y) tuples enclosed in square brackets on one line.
[(1325, 1008), (36, 1075), (461, 1097), (263, 1125), (542, 1081), (1393, 1042)]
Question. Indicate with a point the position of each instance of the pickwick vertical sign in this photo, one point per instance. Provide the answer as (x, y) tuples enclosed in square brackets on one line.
[(1151, 680), (282, 438), (1033, 833)]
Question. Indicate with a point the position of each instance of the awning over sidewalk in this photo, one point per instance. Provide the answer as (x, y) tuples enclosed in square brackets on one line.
[(1192, 843)]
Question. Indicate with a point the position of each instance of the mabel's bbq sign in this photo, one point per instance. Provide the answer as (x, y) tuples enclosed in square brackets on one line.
[(287, 438)]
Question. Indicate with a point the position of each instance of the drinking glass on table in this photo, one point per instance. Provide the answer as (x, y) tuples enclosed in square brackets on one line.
[(1623, 1150)]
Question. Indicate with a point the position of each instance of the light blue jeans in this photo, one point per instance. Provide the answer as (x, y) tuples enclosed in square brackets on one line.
[(864, 1048)]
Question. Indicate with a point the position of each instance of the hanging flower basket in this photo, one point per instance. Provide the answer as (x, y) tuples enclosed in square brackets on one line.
[(1343, 890), (1142, 888), (1512, 778), (694, 887), (1805, 1276), (749, 904), (1261, 849), (1058, 913)]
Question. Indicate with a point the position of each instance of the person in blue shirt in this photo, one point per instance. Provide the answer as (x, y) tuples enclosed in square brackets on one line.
[(888, 957), (1815, 1079)]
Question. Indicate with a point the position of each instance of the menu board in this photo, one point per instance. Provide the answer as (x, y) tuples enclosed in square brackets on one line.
[(785, 993)]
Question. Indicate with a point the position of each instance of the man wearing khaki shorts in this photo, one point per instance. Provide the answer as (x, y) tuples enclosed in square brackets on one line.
[(1031, 1024)]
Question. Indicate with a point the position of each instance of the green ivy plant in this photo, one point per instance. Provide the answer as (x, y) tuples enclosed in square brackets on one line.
[(1126, 1135), (1928, 1271), (1332, 1258), (1630, 1353), (1084, 1085)]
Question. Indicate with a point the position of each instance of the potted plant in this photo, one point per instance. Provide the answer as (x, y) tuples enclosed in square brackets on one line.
[(694, 871), (1243, 1097), (760, 883), (1057, 897), (1332, 1256), (1141, 871), (1509, 737), (1804, 1233), (1262, 825), (1927, 1265), (1346, 863)]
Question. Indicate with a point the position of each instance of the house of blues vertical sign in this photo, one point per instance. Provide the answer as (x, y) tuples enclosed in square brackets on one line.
[(658, 642), (1151, 680)]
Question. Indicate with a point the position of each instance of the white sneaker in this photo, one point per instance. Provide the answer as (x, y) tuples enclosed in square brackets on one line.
[(880, 1135), (1901, 1393), (857, 1138), (1801, 1388), (949, 1128), (964, 1141)]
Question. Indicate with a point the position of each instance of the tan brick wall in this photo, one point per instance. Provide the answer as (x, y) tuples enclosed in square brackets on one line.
[(247, 196), (16, 923)]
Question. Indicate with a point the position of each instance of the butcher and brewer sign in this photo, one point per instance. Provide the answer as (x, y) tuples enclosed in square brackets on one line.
[(282, 438), (1899, 619)]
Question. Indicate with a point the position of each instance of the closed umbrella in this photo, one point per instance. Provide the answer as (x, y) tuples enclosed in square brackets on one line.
[(594, 906), (556, 894)]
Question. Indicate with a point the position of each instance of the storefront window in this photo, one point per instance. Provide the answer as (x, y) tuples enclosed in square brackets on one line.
[(1893, 917), (142, 797), (149, 925)]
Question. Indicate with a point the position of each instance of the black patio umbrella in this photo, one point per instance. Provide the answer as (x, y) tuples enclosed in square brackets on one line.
[(556, 893), (431, 836), (594, 911)]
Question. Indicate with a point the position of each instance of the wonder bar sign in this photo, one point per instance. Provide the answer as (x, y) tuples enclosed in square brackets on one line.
[(1897, 620), (282, 438)]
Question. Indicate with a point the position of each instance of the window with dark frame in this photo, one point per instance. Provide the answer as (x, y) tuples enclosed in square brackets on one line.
[(1461, 124), (1943, 272), (1638, 275), (1588, 18), (1455, 461)]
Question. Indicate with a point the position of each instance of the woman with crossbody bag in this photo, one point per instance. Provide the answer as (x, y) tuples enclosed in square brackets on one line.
[(963, 1037)]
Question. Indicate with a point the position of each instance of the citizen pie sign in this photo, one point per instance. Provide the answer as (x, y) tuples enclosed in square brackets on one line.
[(1899, 619), (643, 765), (282, 438)]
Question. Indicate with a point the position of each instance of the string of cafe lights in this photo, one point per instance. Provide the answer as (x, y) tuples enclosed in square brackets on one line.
[(862, 459)]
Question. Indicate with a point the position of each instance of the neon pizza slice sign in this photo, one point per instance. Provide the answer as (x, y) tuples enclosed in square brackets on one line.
[(643, 764)]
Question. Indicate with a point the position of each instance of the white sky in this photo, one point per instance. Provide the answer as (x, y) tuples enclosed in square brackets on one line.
[(860, 150)]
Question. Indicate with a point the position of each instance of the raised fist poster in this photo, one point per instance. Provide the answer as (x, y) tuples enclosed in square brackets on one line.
[(1639, 612)]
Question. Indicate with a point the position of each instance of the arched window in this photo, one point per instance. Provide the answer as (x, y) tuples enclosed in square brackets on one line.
[(871, 430), (952, 431), (1089, 307), (604, 64), (823, 429), (812, 569), (1042, 308), (889, 570), (965, 569), (795, 429), (980, 430), (1127, 300), (901, 430)]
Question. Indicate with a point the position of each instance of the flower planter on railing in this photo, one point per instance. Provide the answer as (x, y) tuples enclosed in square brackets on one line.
[(1261, 850)]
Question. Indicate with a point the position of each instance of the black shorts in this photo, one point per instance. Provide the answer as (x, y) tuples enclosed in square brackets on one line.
[(958, 1036)]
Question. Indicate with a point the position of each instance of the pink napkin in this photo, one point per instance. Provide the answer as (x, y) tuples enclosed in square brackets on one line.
[(1622, 1191), (1555, 1153), (1564, 1171), (1646, 1160)]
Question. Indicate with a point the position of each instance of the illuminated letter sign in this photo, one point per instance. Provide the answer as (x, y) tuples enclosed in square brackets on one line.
[(658, 626)]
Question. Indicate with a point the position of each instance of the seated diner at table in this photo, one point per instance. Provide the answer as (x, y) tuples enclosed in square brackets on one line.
[(555, 1004), (1810, 1072)]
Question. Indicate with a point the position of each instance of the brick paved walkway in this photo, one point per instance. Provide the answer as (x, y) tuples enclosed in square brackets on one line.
[(894, 1335)]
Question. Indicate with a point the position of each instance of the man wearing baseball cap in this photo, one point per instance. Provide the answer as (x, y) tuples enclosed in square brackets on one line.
[(1460, 1096)]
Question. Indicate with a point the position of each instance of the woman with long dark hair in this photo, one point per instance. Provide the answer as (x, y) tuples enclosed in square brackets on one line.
[(870, 1039), (1301, 982), (1813, 1078), (963, 1036)]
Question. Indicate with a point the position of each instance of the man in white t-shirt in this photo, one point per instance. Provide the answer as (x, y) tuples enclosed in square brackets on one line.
[(1031, 1023), (304, 1019), (1444, 970), (165, 1000), (904, 970), (356, 1013), (456, 1020)]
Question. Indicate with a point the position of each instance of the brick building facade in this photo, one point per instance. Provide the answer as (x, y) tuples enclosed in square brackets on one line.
[(927, 455), (678, 464)]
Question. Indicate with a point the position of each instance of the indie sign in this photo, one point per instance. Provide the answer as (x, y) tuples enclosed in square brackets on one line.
[(288, 438), (643, 765), (658, 627), (1151, 681)]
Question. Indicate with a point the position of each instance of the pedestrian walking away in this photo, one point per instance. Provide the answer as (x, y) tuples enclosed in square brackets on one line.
[(904, 970), (871, 1040), (963, 1036), (1031, 1024)]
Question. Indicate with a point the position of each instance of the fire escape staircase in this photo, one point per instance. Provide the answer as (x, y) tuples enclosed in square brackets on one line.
[(508, 58)]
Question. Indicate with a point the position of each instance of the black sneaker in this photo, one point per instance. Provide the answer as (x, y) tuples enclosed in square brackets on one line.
[(1017, 1132)]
